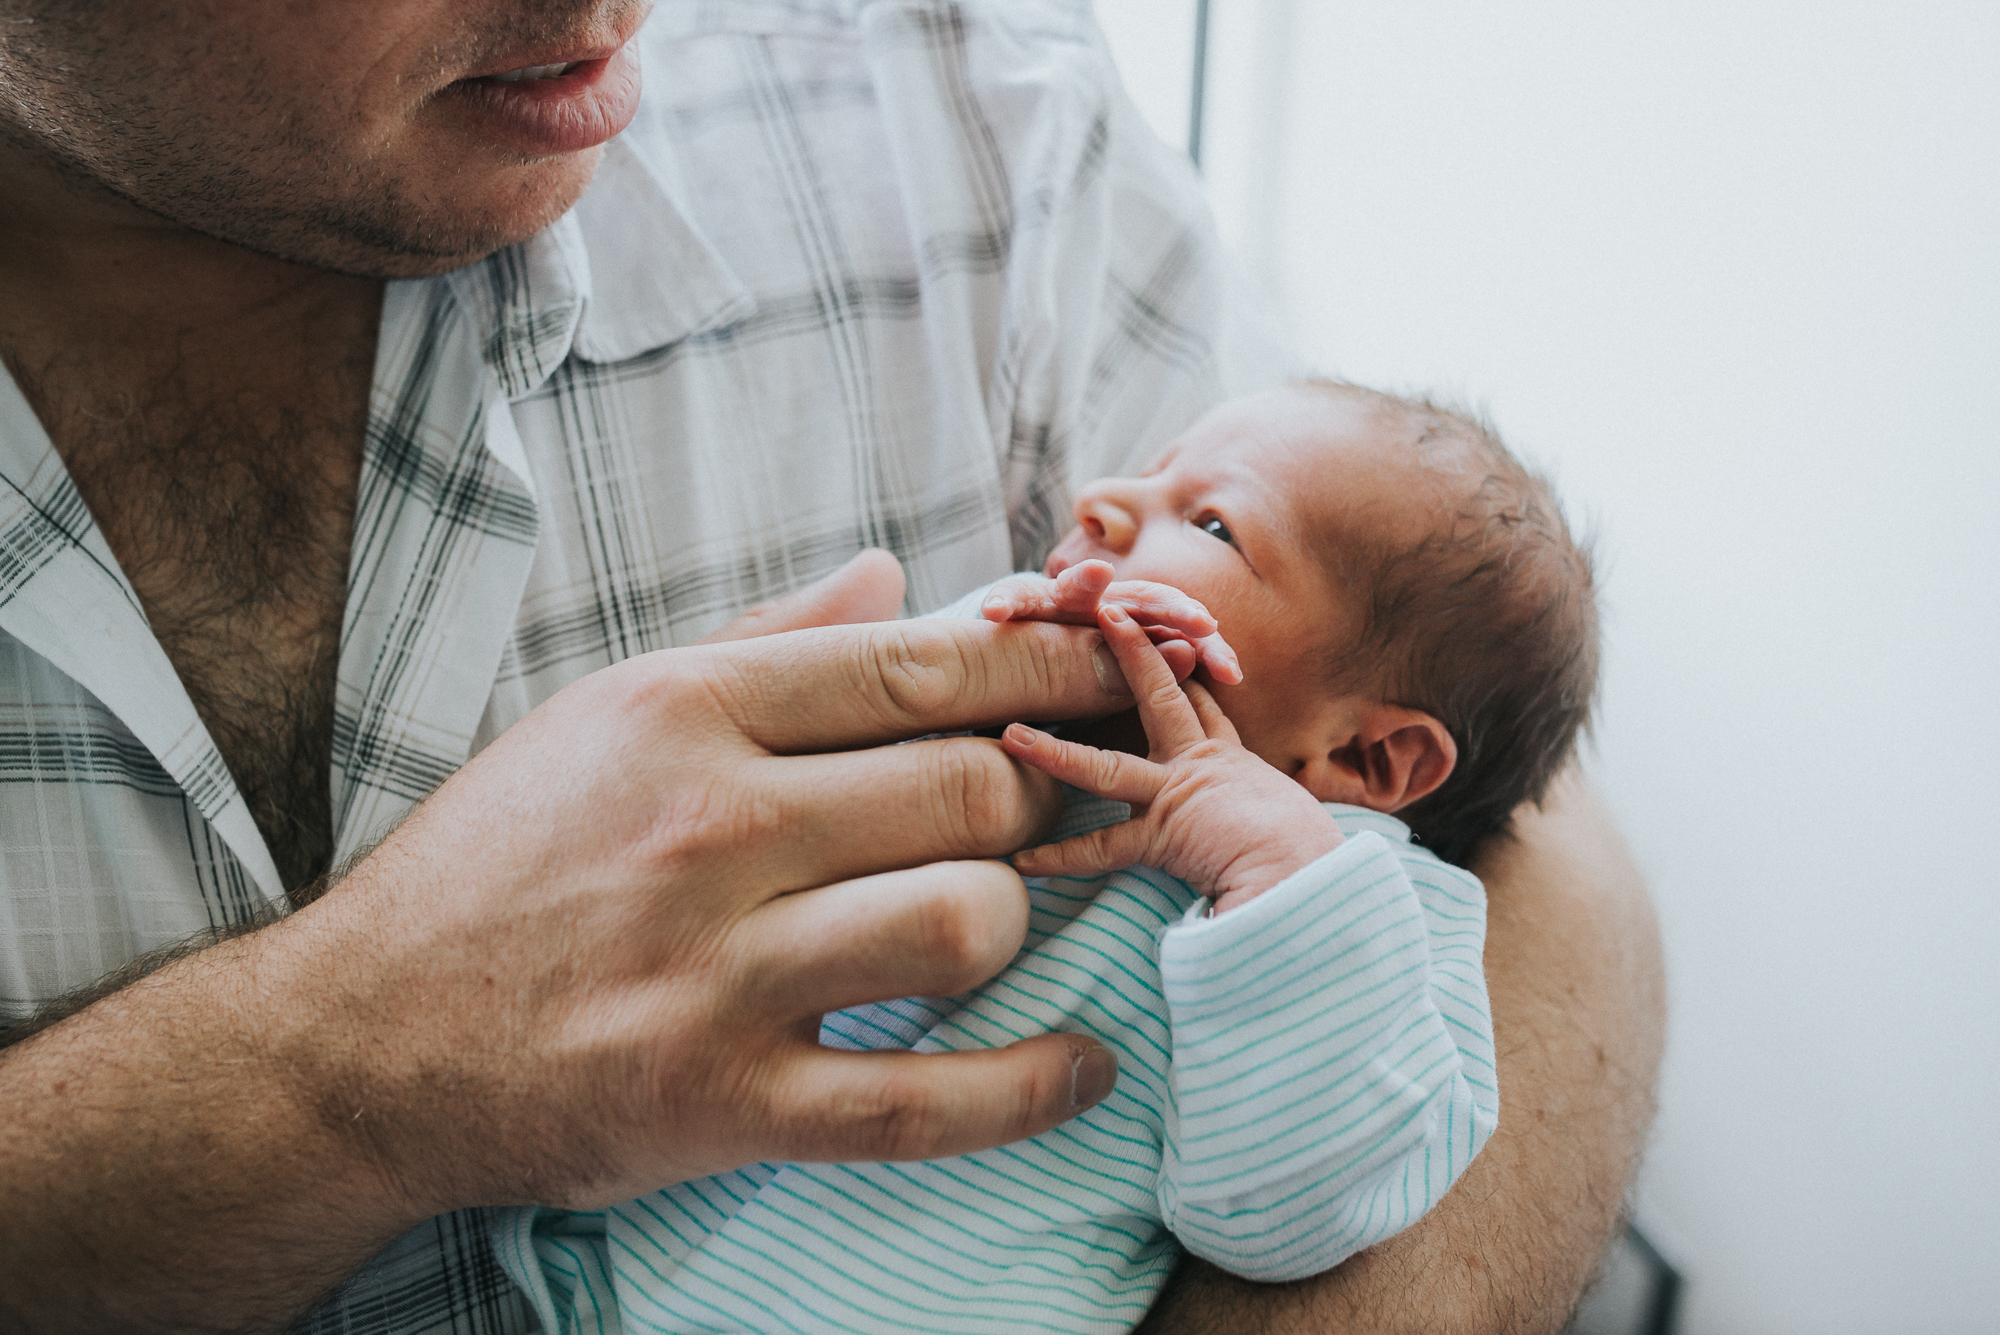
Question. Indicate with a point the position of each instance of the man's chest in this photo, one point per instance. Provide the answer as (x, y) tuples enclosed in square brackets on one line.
[(230, 517)]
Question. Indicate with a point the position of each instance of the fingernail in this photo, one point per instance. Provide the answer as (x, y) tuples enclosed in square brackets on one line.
[(1020, 734), (1109, 675), (1113, 612), (1092, 1073)]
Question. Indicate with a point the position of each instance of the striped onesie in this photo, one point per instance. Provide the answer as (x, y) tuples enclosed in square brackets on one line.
[(1299, 1078)]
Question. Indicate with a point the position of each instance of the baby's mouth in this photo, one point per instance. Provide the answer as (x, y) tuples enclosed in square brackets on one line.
[(1072, 550)]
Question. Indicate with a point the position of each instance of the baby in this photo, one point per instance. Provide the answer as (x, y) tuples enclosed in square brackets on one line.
[(1293, 987)]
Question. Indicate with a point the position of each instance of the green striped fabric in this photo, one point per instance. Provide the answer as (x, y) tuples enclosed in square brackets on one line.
[(1298, 1079)]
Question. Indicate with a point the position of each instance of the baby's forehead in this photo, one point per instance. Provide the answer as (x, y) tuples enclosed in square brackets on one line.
[(1395, 432), (1346, 465)]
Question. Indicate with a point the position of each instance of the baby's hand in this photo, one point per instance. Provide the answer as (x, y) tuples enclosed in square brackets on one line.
[(1203, 808), (1074, 597)]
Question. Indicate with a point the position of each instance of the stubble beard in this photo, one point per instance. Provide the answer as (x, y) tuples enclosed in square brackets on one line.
[(289, 187)]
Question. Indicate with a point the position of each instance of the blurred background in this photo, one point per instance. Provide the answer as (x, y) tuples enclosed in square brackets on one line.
[(1732, 273)]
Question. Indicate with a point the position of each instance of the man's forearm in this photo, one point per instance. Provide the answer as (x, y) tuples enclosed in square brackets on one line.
[(164, 1166), (1573, 966)]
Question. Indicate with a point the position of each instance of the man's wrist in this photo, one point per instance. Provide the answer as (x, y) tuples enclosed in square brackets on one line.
[(176, 1099), (346, 1018), (334, 1067)]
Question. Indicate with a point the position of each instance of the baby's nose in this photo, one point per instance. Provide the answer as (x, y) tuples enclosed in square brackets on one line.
[(1107, 516)]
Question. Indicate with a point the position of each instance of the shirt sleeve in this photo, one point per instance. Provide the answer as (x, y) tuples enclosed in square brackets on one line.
[(1332, 1060)]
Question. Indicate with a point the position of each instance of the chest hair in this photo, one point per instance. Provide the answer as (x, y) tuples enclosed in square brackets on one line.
[(231, 511)]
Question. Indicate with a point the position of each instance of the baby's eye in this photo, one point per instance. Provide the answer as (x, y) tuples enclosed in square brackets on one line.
[(1215, 528)]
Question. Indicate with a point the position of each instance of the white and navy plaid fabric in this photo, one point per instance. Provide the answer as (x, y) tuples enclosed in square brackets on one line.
[(899, 273)]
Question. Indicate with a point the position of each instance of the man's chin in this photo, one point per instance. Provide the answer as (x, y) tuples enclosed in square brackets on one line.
[(420, 233)]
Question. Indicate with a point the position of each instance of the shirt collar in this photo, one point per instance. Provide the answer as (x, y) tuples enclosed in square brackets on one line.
[(622, 273), (655, 279), (64, 597)]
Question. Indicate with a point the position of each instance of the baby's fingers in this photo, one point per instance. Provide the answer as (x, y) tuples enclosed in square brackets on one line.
[(1017, 598), (1170, 722), (1220, 660), (1079, 588), (1181, 657), (1101, 850), (1162, 605), (1213, 721), (1070, 597), (1184, 655), (1111, 774)]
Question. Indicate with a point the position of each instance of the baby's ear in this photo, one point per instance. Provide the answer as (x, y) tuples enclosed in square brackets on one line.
[(1384, 758)]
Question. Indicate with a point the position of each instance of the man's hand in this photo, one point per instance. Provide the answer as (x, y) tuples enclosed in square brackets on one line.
[(868, 588), (593, 962), (1175, 621), (1204, 809)]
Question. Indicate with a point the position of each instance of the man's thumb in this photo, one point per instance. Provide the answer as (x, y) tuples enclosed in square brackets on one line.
[(867, 588)]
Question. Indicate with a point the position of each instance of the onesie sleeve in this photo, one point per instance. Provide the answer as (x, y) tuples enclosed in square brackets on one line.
[(1332, 1060)]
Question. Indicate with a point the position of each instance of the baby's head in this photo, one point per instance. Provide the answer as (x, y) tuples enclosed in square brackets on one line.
[(1417, 629)]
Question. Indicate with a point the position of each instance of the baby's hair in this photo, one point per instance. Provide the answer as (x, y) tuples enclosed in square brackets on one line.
[(1488, 623)]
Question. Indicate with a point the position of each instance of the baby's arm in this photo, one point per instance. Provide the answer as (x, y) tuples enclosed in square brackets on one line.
[(1333, 1062), (1204, 809), (1332, 1069), (1168, 615)]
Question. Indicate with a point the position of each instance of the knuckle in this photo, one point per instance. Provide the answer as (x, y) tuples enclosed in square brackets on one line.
[(907, 1120), (982, 805), (972, 926), (920, 673), (641, 691), (1049, 670), (1104, 845), (700, 827), (709, 684)]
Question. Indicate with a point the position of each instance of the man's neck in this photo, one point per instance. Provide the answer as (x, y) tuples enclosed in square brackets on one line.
[(80, 266), (210, 404)]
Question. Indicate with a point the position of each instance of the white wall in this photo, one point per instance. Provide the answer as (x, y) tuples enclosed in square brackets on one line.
[(1154, 42), (1733, 271)]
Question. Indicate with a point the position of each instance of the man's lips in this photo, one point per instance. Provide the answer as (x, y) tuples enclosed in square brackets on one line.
[(527, 63), (552, 103)]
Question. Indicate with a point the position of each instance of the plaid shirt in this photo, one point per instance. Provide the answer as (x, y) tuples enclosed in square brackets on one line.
[(898, 273)]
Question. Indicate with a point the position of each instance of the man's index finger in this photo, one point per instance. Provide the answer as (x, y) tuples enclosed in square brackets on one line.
[(838, 687)]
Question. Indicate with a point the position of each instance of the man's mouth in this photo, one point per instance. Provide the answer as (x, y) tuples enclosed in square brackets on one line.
[(536, 72), (552, 106)]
